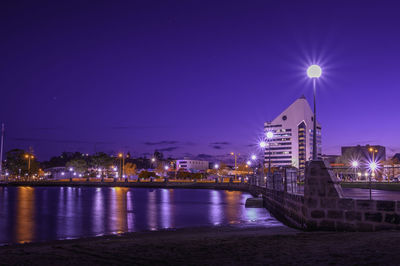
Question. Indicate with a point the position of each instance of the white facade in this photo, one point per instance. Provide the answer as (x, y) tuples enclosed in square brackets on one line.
[(192, 165), (291, 144)]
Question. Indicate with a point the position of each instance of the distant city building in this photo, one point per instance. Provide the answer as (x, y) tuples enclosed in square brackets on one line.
[(192, 165), (363, 154), (292, 144), (396, 157)]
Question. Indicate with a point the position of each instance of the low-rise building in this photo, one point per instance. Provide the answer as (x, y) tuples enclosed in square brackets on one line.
[(192, 165), (363, 154)]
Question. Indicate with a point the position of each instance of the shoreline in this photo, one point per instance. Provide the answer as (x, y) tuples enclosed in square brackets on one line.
[(222, 245), (169, 185)]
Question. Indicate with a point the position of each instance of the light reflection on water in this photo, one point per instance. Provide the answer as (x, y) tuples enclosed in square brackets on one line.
[(48, 213)]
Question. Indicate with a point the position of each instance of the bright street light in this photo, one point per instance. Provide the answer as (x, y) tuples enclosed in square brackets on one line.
[(314, 71), (263, 144), (248, 162), (270, 134), (355, 166), (373, 166), (216, 166), (253, 157), (166, 167)]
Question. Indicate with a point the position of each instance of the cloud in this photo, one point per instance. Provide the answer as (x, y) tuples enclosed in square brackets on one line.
[(217, 147), (204, 156), (162, 142), (169, 148), (220, 143)]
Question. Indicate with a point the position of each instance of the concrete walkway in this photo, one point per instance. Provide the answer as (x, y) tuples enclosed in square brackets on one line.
[(361, 193)]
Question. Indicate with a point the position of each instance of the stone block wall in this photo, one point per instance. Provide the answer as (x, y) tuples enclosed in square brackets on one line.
[(323, 206)]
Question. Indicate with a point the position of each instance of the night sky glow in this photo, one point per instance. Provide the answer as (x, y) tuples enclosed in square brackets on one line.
[(194, 77)]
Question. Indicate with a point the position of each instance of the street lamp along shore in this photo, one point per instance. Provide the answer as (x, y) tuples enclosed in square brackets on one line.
[(314, 72)]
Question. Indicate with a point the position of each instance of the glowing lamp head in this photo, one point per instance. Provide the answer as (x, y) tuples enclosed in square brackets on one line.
[(314, 71), (263, 144), (248, 162), (153, 160), (354, 163), (216, 166), (270, 134), (253, 157), (120, 155), (373, 166), (166, 167)]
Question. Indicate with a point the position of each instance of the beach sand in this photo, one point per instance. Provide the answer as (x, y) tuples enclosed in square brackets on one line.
[(214, 246)]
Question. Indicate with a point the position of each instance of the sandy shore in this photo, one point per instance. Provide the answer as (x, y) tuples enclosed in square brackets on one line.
[(214, 246)]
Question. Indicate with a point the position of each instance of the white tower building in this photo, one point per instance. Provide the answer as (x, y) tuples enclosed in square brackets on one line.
[(293, 136)]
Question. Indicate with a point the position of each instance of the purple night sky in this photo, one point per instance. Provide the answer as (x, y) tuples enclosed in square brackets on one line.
[(194, 77)]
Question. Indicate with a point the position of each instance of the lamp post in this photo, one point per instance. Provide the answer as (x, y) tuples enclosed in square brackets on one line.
[(253, 158), (29, 157), (235, 154), (314, 72), (122, 163), (263, 144), (372, 167), (270, 135)]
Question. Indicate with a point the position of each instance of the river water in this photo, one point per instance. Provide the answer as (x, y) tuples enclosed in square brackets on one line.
[(33, 214)]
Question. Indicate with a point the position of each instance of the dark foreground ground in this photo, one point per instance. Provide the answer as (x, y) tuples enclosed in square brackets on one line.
[(214, 246)]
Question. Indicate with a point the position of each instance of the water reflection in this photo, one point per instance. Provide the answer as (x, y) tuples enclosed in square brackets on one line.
[(25, 221), (215, 207), (231, 211), (98, 211), (42, 213), (166, 208), (118, 213), (152, 210)]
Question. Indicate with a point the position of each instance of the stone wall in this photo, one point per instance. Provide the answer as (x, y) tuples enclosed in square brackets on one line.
[(323, 206)]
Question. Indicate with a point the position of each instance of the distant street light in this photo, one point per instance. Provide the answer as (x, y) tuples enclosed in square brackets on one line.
[(253, 157), (248, 163), (314, 72), (355, 164), (216, 166)]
